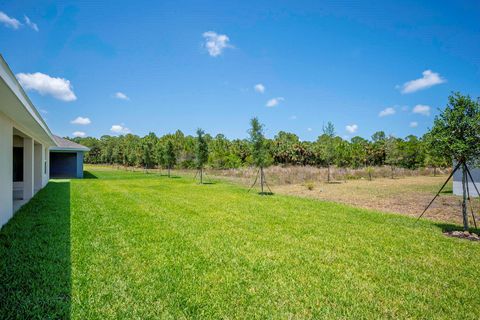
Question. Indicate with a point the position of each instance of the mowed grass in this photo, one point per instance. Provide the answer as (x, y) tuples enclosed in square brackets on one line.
[(125, 245)]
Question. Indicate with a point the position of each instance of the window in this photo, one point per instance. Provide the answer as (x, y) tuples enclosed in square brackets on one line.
[(17, 164)]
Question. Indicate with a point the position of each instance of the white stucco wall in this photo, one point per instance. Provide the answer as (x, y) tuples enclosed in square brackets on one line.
[(35, 160), (28, 168), (46, 166), (38, 166), (6, 169), (19, 117)]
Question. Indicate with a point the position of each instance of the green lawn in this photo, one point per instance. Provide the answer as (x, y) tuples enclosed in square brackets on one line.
[(135, 246)]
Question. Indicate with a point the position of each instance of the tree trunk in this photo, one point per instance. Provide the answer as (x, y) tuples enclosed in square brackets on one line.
[(201, 175), (393, 170), (328, 173), (434, 171), (261, 179), (169, 172), (464, 202)]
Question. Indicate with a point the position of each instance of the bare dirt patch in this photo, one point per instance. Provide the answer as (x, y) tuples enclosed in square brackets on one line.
[(463, 235), (408, 195)]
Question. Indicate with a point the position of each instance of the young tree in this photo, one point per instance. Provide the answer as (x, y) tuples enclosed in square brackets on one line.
[(456, 135), (170, 156), (328, 146), (259, 150), (201, 152)]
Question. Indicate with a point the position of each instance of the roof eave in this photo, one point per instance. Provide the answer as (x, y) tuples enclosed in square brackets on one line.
[(69, 149), (12, 82)]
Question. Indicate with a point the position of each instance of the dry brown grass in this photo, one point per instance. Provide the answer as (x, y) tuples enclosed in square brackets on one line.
[(300, 174), (408, 193)]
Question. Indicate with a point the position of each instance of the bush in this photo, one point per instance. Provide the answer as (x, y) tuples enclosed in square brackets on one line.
[(310, 185)]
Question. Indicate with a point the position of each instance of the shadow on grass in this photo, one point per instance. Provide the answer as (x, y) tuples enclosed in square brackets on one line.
[(448, 227), (207, 182), (447, 191), (89, 175), (266, 193), (35, 263)]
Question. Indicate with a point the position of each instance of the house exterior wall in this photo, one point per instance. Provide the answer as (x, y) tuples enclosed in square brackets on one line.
[(46, 166), (80, 164), (34, 164), (20, 124), (39, 155), (6, 169), (457, 181), (28, 168)]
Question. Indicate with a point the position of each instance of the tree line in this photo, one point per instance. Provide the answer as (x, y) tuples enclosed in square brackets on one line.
[(455, 136), (177, 150)]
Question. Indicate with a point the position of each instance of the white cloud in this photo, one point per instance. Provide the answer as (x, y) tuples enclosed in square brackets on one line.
[(413, 124), (387, 112), (59, 88), (121, 96), (274, 102), (9, 22), (215, 43), (309, 129), (428, 79), (31, 24), (80, 134), (422, 109), (260, 88), (81, 121), (119, 129), (352, 128)]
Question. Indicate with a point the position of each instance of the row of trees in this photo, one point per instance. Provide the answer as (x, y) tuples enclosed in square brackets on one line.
[(180, 150), (455, 136)]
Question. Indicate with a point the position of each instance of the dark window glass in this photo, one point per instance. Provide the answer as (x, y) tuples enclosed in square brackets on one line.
[(17, 164)]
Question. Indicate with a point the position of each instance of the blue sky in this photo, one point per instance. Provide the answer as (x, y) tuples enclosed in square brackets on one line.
[(134, 66)]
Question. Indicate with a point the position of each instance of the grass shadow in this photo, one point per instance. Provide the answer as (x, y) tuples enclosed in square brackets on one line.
[(35, 262), (447, 190), (334, 182), (89, 175), (449, 227), (266, 193)]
